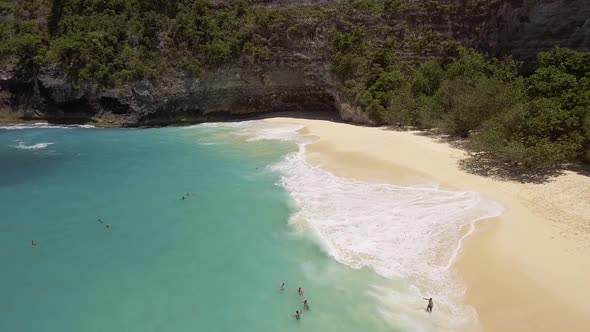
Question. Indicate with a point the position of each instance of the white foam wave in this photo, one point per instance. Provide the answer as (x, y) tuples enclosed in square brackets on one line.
[(42, 125), (409, 234), (403, 233), (258, 130), (380, 224), (37, 146)]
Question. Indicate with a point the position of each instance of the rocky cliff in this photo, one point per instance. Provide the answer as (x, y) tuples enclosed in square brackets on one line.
[(298, 79), (226, 93), (520, 28), (523, 28)]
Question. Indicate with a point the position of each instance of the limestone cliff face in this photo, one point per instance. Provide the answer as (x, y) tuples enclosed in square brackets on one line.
[(225, 93), (520, 28), (298, 79), (523, 28)]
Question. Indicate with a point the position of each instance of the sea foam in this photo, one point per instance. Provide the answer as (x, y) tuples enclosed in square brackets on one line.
[(256, 130), (37, 146), (410, 234), (42, 125)]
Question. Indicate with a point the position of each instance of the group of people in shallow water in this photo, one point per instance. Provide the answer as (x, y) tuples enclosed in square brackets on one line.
[(305, 303), (107, 227)]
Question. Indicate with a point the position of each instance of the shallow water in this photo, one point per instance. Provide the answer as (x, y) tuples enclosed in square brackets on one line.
[(211, 262)]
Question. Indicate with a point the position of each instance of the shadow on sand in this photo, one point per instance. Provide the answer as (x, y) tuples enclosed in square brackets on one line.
[(497, 170)]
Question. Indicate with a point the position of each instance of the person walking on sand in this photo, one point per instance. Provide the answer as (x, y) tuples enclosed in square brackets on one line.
[(300, 291), (305, 305), (282, 286), (430, 304), (297, 314)]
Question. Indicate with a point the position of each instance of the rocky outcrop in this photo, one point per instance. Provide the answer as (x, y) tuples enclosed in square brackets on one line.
[(225, 93), (519, 28), (523, 28)]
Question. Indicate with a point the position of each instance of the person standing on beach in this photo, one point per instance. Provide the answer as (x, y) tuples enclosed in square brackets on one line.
[(430, 304)]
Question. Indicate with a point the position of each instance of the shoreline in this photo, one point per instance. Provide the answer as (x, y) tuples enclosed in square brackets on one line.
[(320, 115), (537, 243)]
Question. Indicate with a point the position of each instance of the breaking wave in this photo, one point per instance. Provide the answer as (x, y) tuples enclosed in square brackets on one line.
[(37, 146), (42, 126)]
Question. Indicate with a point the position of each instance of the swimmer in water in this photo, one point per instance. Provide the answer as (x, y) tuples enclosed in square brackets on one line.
[(100, 221), (300, 291), (282, 286), (33, 243), (183, 198), (188, 193), (108, 227), (430, 304), (297, 314), (305, 305)]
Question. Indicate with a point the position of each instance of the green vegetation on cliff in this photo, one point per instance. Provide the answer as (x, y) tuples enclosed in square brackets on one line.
[(117, 41), (536, 121), (384, 54)]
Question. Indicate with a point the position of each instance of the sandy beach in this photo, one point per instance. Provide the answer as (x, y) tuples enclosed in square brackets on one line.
[(527, 270)]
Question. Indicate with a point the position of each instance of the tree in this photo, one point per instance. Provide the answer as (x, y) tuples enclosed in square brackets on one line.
[(566, 60), (536, 134), (463, 104), (550, 82)]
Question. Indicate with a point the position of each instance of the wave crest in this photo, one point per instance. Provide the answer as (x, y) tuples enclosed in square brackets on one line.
[(42, 125), (37, 146), (256, 130)]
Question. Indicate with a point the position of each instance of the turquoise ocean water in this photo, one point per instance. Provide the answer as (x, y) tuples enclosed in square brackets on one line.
[(213, 262)]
